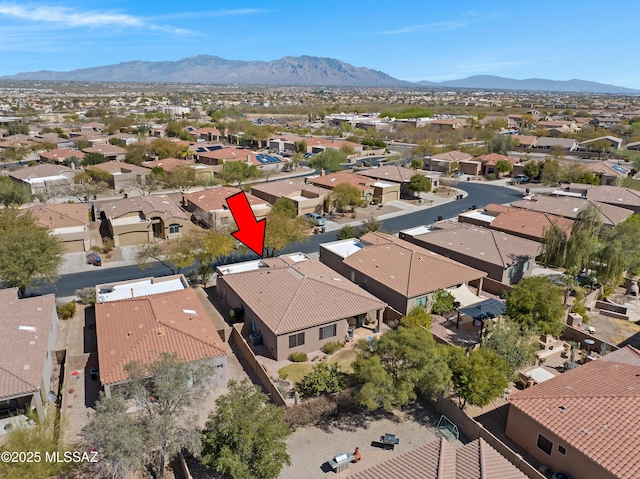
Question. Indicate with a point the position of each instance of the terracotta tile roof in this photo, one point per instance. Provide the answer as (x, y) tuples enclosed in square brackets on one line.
[(452, 156), (330, 181), (106, 150), (215, 199), (148, 205), (213, 131), (480, 243), (168, 164), (441, 460), (606, 168), (23, 351), (407, 268), (568, 207), (283, 296), (115, 166), (289, 186), (594, 408), (529, 223), (525, 140), (496, 208), (228, 154), (395, 173), (41, 171), (62, 215), (61, 155), (143, 328), (493, 158), (613, 195)]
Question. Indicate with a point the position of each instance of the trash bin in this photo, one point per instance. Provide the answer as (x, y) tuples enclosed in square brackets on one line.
[(95, 374)]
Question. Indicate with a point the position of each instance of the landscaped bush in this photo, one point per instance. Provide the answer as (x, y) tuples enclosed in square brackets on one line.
[(331, 347), (66, 311), (324, 379), (87, 295), (298, 357)]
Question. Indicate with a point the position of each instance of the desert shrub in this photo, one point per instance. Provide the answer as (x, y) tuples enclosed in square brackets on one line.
[(67, 310), (298, 357), (323, 379), (331, 347), (87, 295)]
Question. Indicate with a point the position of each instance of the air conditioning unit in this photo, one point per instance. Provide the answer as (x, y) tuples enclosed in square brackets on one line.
[(546, 472)]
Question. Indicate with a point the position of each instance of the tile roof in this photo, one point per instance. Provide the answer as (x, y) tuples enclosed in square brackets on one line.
[(330, 181), (594, 408), (568, 207), (496, 208), (525, 140), (143, 328), (106, 149), (41, 171), (62, 215), (395, 173), (293, 297), (61, 155), (148, 205), (441, 460), (168, 164), (529, 223), (613, 195), (495, 247), (289, 186), (452, 156), (214, 199), (606, 168), (23, 350), (493, 158), (551, 142), (228, 154), (407, 268), (115, 166)]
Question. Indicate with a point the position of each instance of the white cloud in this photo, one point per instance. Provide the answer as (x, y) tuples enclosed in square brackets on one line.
[(438, 26), (69, 17)]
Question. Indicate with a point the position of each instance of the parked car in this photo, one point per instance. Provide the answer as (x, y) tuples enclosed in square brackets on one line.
[(94, 259), (315, 219), (521, 179)]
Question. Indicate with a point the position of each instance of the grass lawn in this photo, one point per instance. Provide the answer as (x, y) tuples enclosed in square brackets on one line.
[(297, 371), (344, 358)]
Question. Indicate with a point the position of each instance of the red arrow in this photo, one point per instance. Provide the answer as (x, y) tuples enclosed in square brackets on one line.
[(250, 232)]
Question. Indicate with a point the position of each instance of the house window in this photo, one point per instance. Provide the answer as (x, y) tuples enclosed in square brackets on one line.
[(544, 444), (525, 266), (510, 272), (174, 228), (422, 302), (562, 450), (296, 340), (328, 331)]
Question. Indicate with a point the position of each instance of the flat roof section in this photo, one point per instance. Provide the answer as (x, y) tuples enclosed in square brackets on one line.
[(136, 289)]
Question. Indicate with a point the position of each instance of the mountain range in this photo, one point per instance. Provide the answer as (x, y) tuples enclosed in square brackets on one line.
[(303, 71)]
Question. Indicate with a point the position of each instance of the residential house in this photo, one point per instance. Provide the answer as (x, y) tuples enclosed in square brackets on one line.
[(605, 121), (112, 152), (318, 145), (614, 143), (527, 224), (563, 125), (570, 206), (567, 144), (28, 350), (307, 198), (208, 134), (142, 328), (126, 138), (204, 172), (92, 126), (210, 209), (136, 288), (59, 156), (525, 141), (220, 156), (633, 146), (609, 195), (488, 162), (69, 222), (609, 173), (583, 422), (448, 124), (452, 160), (54, 139), (401, 175), (294, 303), (123, 175), (440, 459), (398, 272), (382, 191), (504, 257), (285, 141), (138, 220), (45, 178)]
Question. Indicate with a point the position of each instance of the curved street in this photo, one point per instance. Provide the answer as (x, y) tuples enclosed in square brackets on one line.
[(479, 194)]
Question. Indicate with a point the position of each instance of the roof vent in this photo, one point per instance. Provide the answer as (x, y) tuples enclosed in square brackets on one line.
[(189, 311), (562, 408)]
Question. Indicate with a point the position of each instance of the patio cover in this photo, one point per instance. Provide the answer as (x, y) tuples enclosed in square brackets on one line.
[(464, 295), (487, 309)]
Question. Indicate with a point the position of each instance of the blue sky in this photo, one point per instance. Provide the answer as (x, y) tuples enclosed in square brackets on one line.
[(410, 40)]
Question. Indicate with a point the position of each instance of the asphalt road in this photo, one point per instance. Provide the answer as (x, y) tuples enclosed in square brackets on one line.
[(478, 194)]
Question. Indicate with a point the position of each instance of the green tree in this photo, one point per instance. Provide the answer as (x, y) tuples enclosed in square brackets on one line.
[(394, 368), (301, 146), (27, 251), (515, 347), (328, 160), (281, 231), (246, 435), (442, 301), (369, 225), (419, 184), (175, 254), (324, 378), (182, 179), (418, 317), (627, 233), (536, 304), (504, 166), (210, 246), (137, 153), (500, 144), (345, 195), (582, 244), (532, 169), (13, 193), (555, 246), (347, 231), (94, 159), (479, 376), (285, 206), (551, 171), (236, 172), (417, 164), (17, 128)]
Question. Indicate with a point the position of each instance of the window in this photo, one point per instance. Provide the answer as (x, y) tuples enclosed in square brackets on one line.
[(544, 444), (525, 266), (328, 332), (510, 272), (422, 302), (296, 340), (562, 450), (174, 228)]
